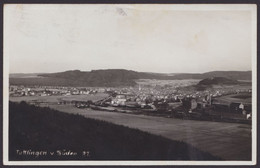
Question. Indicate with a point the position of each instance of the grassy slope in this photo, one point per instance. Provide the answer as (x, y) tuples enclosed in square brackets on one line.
[(38, 128)]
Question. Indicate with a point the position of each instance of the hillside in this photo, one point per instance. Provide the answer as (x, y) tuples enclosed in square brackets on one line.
[(98, 77), (218, 81), (236, 75), (114, 77), (40, 129), (95, 78)]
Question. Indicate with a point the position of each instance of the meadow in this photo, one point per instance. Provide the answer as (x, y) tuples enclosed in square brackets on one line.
[(43, 129), (56, 99)]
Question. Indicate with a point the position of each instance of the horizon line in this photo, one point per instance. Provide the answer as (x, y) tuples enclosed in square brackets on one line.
[(131, 70)]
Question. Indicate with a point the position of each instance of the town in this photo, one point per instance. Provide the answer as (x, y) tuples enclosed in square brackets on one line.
[(224, 104)]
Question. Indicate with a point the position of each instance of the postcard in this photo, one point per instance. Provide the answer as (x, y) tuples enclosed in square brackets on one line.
[(129, 84)]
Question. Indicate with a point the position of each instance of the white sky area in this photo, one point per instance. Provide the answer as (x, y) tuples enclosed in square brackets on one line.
[(145, 38)]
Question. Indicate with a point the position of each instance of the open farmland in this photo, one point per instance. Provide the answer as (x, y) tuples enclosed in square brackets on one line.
[(230, 141), (244, 86), (92, 97), (172, 83), (245, 98), (56, 99), (52, 132)]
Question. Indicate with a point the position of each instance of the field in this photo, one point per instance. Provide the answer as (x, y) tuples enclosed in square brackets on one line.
[(173, 83), (92, 97), (230, 141), (53, 135), (245, 98), (245, 86), (56, 99)]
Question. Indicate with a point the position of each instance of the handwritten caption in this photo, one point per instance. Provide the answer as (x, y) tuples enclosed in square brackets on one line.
[(63, 152)]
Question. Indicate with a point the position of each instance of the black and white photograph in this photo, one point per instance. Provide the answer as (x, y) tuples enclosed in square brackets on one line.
[(129, 84)]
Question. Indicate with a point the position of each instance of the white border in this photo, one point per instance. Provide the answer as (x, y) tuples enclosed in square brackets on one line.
[(5, 92), (254, 84), (201, 7)]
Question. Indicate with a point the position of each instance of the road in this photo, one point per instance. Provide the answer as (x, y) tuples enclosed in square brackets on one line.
[(230, 141)]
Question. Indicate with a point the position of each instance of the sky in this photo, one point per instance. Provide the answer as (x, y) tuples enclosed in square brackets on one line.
[(145, 38)]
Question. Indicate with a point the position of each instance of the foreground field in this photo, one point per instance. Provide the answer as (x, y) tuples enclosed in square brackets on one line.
[(37, 133), (230, 141)]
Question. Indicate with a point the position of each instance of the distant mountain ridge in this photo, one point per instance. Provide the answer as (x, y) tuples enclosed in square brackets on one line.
[(119, 77)]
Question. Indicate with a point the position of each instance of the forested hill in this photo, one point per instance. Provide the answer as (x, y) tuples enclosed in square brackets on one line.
[(122, 74), (236, 75), (115, 77), (110, 77)]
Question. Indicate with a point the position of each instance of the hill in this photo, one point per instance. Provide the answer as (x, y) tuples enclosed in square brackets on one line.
[(218, 81), (98, 77), (114, 77), (236, 75), (41, 129), (95, 78)]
